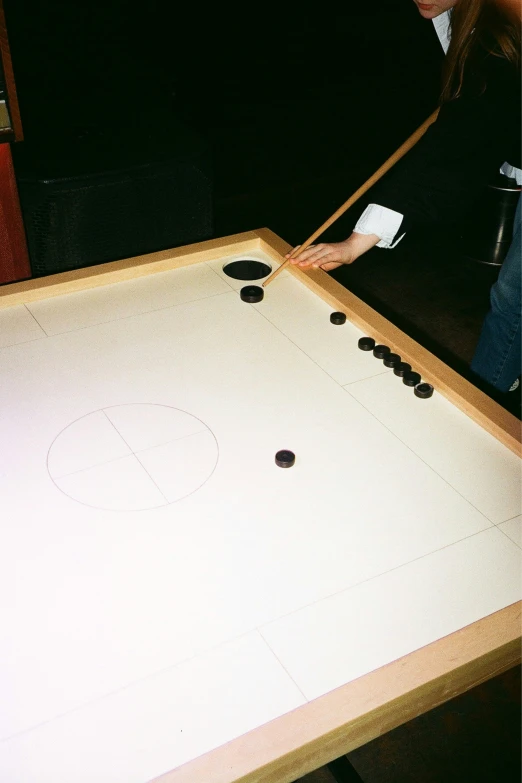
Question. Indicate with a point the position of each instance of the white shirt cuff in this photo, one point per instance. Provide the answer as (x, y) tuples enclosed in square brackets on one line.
[(382, 222), (511, 172)]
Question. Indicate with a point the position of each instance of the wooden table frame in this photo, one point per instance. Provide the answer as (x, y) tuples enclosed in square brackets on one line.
[(353, 714)]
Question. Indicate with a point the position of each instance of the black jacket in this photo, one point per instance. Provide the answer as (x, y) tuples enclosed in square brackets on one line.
[(439, 179)]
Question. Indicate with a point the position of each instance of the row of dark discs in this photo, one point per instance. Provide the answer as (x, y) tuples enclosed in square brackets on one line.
[(401, 369), (393, 360)]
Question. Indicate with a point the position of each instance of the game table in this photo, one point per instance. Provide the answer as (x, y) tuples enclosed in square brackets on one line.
[(178, 608)]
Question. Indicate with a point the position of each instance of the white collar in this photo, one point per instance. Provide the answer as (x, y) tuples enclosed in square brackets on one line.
[(442, 28)]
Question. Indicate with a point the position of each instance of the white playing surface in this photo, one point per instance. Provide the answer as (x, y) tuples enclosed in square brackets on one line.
[(164, 586)]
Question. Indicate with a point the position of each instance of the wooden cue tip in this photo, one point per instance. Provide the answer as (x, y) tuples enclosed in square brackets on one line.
[(275, 273)]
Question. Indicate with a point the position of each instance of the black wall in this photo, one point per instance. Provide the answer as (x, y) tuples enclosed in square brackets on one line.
[(302, 106)]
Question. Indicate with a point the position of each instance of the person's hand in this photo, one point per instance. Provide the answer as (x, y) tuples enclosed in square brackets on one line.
[(326, 256), (329, 256)]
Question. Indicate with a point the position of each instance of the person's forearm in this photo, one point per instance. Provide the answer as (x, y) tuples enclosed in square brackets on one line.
[(361, 243)]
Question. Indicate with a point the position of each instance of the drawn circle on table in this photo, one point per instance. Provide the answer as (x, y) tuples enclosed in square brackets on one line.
[(132, 457)]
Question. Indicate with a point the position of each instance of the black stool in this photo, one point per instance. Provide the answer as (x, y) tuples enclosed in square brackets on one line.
[(486, 236), (107, 195)]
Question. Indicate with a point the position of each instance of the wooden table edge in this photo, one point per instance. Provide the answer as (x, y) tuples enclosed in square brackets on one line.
[(356, 713), (36, 289)]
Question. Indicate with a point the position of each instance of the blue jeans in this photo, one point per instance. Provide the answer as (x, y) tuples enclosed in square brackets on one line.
[(498, 355)]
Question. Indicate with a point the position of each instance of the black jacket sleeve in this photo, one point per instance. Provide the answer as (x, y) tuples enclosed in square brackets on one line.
[(438, 180)]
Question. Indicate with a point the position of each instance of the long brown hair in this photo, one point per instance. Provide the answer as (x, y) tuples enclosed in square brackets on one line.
[(478, 26)]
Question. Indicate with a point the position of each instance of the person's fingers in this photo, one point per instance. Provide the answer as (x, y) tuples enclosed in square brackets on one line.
[(313, 254), (330, 265), (306, 254), (292, 251), (324, 259), (320, 255)]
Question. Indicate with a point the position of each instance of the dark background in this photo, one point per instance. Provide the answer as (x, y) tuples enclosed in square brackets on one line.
[(297, 110)]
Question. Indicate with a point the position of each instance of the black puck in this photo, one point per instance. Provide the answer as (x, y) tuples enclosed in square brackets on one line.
[(423, 390), (380, 351), (337, 318), (401, 369), (366, 343), (252, 293), (391, 360), (411, 379), (284, 459)]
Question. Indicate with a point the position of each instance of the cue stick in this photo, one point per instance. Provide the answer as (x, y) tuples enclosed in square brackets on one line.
[(397, 155)]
